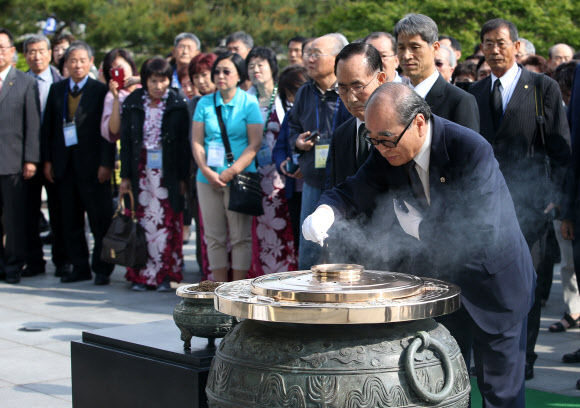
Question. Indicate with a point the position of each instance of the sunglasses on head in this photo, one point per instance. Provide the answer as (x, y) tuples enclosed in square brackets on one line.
[(226, 71)]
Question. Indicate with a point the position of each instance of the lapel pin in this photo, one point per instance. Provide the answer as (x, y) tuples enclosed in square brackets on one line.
[(10, 83), (525, 86), (442, 179)]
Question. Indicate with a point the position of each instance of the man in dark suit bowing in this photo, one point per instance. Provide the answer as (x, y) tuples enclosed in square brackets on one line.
[(80, 162), (417, 41), (19, 156), (453, 200), (526, 152)]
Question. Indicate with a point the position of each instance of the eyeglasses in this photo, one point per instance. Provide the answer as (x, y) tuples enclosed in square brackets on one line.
[(4, 48), (490, 45), (226, 72), (387, 143), (356, 89), (316, 55)]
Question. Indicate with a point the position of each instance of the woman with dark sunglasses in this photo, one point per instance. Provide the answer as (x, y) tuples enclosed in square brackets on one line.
[(243, 122)]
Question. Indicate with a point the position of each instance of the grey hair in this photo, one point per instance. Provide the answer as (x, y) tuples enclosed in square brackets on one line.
[(35, 38), (379, 34), (241, 36), (450, 55), (339, 43), (418, 24), (78, 45), (407, 102), (530, 49), (551, 49), (187, 36)]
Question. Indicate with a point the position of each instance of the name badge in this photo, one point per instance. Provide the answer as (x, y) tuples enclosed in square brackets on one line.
[(154, 159), (216, 153), (264, 155), (70, 134), (320, 155)]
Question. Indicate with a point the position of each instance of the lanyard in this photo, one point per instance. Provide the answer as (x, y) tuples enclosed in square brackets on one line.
[(333, 117)]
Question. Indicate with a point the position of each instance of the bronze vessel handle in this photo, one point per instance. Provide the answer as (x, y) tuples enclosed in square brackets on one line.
[(423, 339)]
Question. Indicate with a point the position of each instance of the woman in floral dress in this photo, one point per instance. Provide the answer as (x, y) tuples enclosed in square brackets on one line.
[(154, 165), (273, 238)]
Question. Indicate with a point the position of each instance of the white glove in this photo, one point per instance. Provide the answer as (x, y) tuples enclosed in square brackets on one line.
[(317, 224), (409, 221)]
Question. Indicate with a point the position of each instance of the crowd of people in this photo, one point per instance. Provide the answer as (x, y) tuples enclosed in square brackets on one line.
[(175, 133)]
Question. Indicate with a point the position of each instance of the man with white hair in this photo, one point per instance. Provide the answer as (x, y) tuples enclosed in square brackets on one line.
[(526, 48), (445, 62), (185, 47), (316, 114), (559, 54)]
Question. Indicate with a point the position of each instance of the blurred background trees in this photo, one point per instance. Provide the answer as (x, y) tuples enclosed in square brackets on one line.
[(148, 26)]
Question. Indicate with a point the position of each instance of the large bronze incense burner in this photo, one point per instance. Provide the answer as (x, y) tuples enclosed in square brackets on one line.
[(338, 336)]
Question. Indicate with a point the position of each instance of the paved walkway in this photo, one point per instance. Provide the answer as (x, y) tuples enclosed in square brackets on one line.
[(40, 317)]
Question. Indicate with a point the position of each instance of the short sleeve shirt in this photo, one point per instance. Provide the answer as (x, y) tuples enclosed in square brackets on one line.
[(241, 111)]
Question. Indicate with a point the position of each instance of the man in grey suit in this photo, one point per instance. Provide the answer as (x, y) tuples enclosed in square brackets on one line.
[(19, 156), (417, 42), (533, 163)]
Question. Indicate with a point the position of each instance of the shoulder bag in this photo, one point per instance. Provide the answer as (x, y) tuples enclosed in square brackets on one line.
[(245, 188), (125, 243)]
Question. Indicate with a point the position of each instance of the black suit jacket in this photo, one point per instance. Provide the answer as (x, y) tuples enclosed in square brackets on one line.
[(518, 146), (469, 234), (454, 104), (341, 162), (570, 207), (20, 122), (92, 149)]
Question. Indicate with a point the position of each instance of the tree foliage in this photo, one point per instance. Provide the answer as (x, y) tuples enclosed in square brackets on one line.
[(542, 22), (149, 26)]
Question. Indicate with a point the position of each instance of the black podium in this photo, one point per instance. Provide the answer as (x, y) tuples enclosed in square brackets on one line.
[(141, 365)]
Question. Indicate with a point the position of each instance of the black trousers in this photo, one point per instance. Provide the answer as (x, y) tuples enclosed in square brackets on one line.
[(499, 358), (537, 246), (35, 256), (13, 214), (77, 197)]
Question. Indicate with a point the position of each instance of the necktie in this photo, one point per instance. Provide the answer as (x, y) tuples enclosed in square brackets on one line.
[(75, 91), (416, 185), (496, 104), (363, 146)]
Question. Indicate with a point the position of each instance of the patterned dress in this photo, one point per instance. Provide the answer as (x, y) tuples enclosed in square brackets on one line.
[(273, 240), (163, 226)]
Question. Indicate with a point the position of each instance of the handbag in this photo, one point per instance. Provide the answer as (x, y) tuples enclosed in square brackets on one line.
[(125, 243), (245, 187)]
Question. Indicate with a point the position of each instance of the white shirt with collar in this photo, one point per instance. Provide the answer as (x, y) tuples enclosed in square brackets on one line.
[(81, 84), (4, 73), (358, 136), (508, 83), (44, 80), (425, 86), (422, 160)]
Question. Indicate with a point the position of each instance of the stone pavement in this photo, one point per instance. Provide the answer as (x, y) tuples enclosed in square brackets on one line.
[(40, 317)]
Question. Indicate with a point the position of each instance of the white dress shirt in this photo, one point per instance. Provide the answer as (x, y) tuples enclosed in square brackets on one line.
[(425, 86), (423, 159), (508, 83)]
